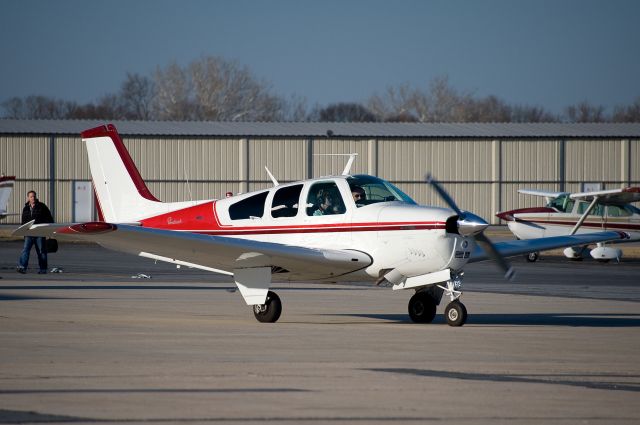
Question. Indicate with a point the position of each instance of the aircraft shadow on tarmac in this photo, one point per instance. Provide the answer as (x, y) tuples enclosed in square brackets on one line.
[(612, 382), (521, 319)]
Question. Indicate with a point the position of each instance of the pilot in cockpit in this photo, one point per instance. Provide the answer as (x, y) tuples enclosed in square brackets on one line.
[(325, 203)]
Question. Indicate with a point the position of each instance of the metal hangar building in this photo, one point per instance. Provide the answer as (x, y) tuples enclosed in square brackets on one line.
[(481, 164)]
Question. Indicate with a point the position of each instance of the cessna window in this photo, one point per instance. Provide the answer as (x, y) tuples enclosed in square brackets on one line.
[(562, 203), (324, 199), (370, 190), (251, 207), (597, 210), (285, 201), (618, 211)]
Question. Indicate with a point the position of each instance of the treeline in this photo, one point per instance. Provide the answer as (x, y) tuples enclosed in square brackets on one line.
[(215, 89)]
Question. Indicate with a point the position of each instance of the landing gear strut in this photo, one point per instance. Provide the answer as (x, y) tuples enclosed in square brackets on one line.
[(270, 311), (455, 313), (423, 304)]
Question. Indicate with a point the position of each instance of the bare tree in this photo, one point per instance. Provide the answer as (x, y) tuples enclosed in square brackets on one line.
[(213, 88), (346, 112), (630, 113), (585, 112), (36, 107), (136, 97), (173, 89)]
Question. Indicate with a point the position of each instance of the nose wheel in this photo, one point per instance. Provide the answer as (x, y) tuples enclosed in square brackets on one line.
[(455, 313), (270, 311)]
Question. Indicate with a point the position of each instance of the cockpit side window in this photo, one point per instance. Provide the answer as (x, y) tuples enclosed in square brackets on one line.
[(324, 199), (285, 201), (251, 207)]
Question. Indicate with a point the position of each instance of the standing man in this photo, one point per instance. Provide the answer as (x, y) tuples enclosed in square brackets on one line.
[(34, 210)]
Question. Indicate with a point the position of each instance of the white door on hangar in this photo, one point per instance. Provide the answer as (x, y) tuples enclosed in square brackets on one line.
[(82, 201)]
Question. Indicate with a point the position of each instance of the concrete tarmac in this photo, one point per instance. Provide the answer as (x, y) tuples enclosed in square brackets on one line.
[(94, 345)]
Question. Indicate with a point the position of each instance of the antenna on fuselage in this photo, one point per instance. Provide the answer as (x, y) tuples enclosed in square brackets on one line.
[(347, 168), (273, 179)]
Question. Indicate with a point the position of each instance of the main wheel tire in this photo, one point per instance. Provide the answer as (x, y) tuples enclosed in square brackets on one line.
[(270, 311), (532, 257), (422, 308), (455, 313)]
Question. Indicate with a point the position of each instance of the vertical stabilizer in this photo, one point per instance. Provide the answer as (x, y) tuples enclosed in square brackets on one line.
[(123, 197)]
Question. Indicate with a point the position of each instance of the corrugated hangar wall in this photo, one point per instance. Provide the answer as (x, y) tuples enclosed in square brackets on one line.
[(483, 175)]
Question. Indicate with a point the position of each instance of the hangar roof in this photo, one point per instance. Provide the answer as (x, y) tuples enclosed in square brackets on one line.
[(324, 129)]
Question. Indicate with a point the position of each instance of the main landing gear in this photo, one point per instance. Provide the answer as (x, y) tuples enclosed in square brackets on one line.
[(423, 304), (270, 311)]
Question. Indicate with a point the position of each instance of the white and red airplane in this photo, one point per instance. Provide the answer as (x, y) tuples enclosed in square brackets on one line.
[(342, 228), (6, 187), (578, 213)]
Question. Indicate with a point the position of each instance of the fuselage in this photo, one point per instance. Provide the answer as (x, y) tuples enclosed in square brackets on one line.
[(387, 225)]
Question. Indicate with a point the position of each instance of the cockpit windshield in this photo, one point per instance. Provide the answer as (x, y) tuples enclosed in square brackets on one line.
[(368, 190), (562, 203)]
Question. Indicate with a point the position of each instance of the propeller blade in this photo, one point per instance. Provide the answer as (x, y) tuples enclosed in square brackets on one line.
[(444, 195), (493, 253)]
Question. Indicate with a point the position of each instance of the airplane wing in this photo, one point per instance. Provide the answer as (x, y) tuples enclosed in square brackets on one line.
[(544, 193), (212, 253), (612, 196), (518, 247)]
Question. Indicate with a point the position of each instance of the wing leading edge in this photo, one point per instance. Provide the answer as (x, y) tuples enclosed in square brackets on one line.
[(517, 247)]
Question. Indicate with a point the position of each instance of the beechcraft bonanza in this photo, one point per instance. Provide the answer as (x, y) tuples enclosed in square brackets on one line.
[(6, 187), (578, 213), (344, 228)]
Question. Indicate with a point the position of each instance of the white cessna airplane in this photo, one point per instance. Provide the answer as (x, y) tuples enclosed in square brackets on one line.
[(341, 228), (578, 213), (6, 186)]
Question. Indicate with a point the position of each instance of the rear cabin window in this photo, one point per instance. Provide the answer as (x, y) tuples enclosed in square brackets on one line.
[(251, 207), (597, 210), (618, 211), (324, 199), (285, 201)]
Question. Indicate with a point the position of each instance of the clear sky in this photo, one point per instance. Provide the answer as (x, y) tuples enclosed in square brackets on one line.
[(536, 52)]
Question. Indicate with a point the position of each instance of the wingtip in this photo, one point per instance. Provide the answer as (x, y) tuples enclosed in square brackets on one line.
[(22, 230)]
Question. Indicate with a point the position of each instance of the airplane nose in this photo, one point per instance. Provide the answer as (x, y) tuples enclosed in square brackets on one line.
[(470, 224)]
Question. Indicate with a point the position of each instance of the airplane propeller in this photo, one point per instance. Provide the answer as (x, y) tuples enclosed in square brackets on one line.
[(470, 224)]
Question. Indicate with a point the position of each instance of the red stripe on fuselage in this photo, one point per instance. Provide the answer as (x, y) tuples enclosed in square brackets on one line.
[(203, 219), (600, 225)]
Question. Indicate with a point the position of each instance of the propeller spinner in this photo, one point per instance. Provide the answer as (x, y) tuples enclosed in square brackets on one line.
[(470, 224)]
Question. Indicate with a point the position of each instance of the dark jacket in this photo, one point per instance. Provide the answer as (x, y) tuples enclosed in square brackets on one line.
[(40, 213)]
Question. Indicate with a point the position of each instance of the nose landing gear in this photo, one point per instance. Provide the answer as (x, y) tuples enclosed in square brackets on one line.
[(423, 304)]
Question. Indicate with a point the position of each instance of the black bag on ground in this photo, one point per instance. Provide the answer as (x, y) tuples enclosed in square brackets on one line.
[(52, 246)]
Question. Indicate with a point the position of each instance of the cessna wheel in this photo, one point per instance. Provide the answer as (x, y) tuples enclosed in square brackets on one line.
[(270, 311), (422, 308), (455, 313), (532, 257)]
